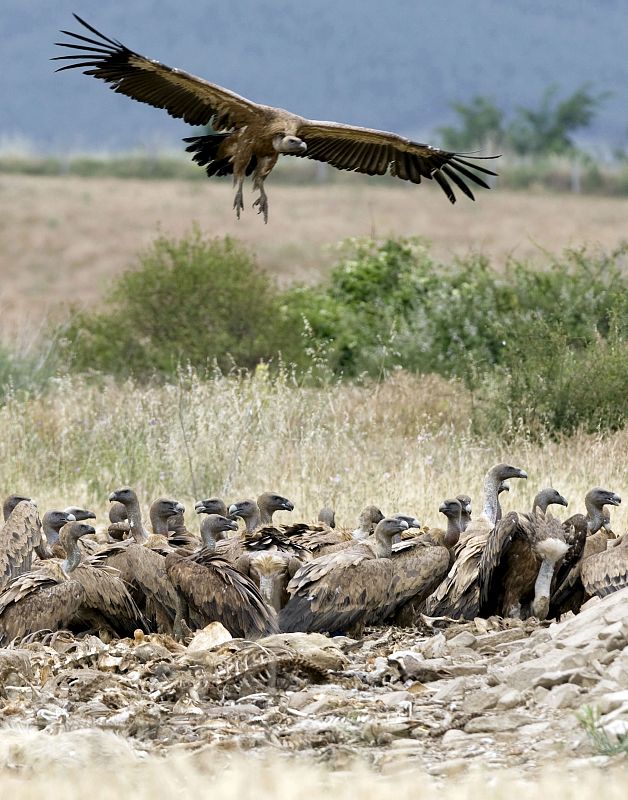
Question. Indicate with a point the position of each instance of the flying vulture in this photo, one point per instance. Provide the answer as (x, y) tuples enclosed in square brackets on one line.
[(248, 138)]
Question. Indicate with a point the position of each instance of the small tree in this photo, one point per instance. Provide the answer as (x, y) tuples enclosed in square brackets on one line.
[(481, 123), (549, 128)]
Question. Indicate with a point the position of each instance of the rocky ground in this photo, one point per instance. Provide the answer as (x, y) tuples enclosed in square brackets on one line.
[(501, 693)]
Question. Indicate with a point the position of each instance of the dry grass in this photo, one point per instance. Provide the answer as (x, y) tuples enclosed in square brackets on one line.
[(62, 239), (404, 445), (75, 767)]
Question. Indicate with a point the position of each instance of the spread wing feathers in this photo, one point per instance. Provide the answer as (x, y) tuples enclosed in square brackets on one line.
[(182, 95), (334, 592), (19, 536), (378, 152), (606, 572), (417, 571), (37, 601), (575, 534), (216, 591), (268, 537)]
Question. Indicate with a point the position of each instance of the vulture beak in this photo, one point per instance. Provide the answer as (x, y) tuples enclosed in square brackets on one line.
[(523, 473), (614, 500), (561, 501), (179, 508), (113, 496), (198, 506), (443, 507), (70, 517), (233, 509), (288, 506)]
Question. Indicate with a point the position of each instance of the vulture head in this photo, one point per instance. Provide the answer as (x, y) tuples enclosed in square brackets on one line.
[(53, 521), (125, 495), (548, 497), (501, 472), (386, 530), (10, 503), (214, 527), (451, 508), (285, 143), (413, 522), (269, 502), (245, 509), (369, 517), (80, 514), (602, 497), (160, 512), (212, 505)]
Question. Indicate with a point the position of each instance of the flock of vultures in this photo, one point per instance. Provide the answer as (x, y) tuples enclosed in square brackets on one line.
[(258, 577)]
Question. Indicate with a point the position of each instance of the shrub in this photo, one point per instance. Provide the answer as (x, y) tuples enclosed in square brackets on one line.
[(191, 301)]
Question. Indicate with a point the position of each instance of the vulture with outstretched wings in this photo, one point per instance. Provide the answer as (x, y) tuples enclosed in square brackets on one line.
[(249, 138)]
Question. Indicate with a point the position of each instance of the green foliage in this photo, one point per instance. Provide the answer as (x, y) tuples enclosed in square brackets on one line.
[(589, 719), (480, 125), (192, 301), (550, 127), (545, 130), (521, 340)]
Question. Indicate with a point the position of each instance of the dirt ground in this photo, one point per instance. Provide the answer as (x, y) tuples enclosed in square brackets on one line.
[(62, 239)]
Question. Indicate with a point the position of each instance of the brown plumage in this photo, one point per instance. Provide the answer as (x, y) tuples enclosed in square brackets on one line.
[(338, 591), (141, 561), (324, 542), (68, 594), (518, 563), (458, 595), (249, 137), (270, 571), (211, 589), (20, 537), (569, 592)]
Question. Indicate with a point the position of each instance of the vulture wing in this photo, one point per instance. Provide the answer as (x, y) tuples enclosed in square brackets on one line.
[(606, 572), (19, 536), (334, 592), (216, 590), (182, 95), (378, 152), (492, 566)]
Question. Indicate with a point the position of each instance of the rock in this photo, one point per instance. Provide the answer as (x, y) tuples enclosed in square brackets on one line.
[(396, 698), (524, 674), (213, 634), (617, 730), (453, 766), (434, 647), (511, 698), (609, 702), (566, 696), (581, 677), (493, 723), (454, 736), (477, 702), (463, 639), (449, 690)]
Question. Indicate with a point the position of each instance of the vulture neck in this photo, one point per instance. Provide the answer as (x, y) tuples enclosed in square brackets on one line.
[(492, 509), (210, 538), (176, 524), (382, 545), (595, 517), (454, 529), (72, 556), (52, 534), (265, 515), (134, 516), (159, 524), (256, 519)]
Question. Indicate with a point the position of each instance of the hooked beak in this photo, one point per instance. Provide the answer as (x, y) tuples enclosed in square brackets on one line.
[(70, 518), (113, 496), (179, 508), (233, 509), (614, 500), (288, 506)]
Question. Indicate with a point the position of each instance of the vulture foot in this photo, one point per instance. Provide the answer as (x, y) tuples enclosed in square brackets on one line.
[(238, 202), (262, 202)]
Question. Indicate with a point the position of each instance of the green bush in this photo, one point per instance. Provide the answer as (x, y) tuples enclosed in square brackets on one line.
[(192, 301)]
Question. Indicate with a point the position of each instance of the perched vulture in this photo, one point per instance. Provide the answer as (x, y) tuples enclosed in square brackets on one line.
[(518, 563), (248, 138), (73, 593), (20, 538), (458, 595), (211, 589), (338, 591), (585, 576)]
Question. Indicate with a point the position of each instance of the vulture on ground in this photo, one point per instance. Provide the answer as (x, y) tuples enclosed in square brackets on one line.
[(248, 138), (519, 560), (458, 595)]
